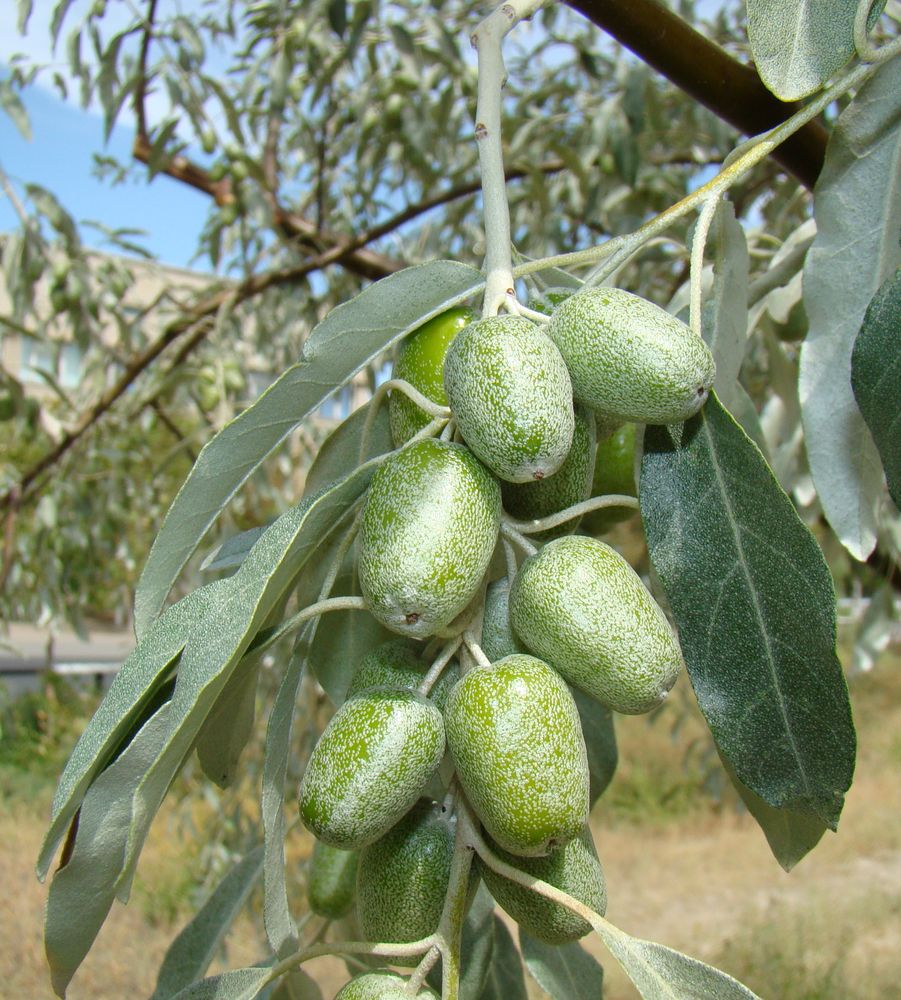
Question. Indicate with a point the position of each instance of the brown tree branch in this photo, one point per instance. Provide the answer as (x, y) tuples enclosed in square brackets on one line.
[(710, 75)]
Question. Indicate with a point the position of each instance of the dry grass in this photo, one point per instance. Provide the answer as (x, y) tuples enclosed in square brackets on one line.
[(682, 870)]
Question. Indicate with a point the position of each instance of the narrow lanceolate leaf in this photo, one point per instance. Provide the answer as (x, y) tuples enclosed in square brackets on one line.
[(753, 599), (233, 551), (505, 980), (239, 984), (229, 726), (212, 655), (857, 204), (798, 45), (725, 317), (190, 954), (346, 341), (564, 972), (659, 973), (133, 689), (600, 742), (341, 451), (83, 889), (791, 835), (277, 918), (876, 378)]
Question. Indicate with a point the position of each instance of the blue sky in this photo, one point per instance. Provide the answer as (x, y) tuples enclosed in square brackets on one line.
[(64, 141), (60, 158)]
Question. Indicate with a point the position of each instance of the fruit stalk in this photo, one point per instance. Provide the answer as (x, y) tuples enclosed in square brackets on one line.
[(487, 40), (450, 928), (562, 516)]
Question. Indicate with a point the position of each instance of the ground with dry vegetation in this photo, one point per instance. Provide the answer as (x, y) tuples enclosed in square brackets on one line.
[(684, 868)]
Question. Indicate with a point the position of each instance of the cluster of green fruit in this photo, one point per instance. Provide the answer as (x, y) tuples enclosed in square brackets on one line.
[(502, 729)]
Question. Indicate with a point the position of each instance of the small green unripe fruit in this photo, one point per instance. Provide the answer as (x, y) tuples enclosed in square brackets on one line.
[(428, 530), (382, 986), (420, 362), (498, 639), (370, 765), (630, 359), (510, 394), (395, 664), (614, 472), (569, 485), (514, 734), (403, 877), (574, 868), (332, 880), (581, 606)]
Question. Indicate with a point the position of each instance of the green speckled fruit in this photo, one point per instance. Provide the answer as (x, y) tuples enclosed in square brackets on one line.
[(382, 986), (332, 880), (630, 359), (569, 485), (428, 530), (403, 877), (420, 362), (582, 607), (510, 394), (498, 639), (370, 765), (393, 664), (574, 868), (396, 664), (614, 472), (514, 735)]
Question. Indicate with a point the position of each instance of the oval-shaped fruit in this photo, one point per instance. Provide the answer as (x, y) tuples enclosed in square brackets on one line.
[(370, 765), (403, 877), (382, 986), (332, 881), (395, 664), (510, 394), (515, 738), (427, 533), (420, 361), (569, 485), (498, 639), (581, 606), (614, 472), (574, 868), (630, 359)]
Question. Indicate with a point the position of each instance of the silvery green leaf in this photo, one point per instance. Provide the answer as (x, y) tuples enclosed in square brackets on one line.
[(340, 452), (505, 979), (190, 954), (754, 602), (857, 204), (139, 681), (238, 984), (600, 742), (348, 339), (660, 973), (564, 972), (725, 315), (229, 726), (798, 44), (791, 835), (876, 377), (84, 887), (233, 551)]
